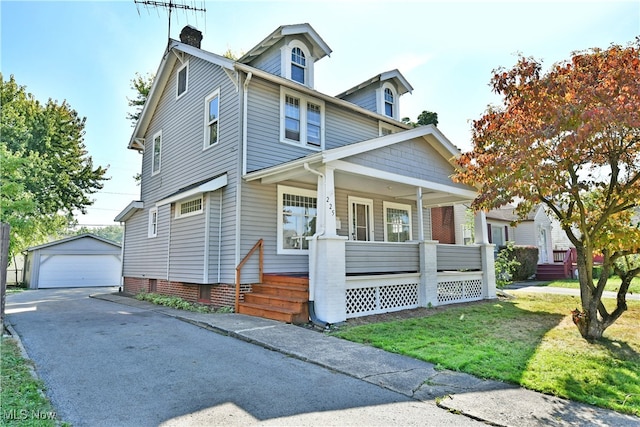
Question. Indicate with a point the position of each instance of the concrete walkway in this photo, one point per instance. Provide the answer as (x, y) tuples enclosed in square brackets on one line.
[(493, 402), (536, 287)]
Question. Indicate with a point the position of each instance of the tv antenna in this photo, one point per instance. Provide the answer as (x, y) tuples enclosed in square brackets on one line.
[(170, 6)]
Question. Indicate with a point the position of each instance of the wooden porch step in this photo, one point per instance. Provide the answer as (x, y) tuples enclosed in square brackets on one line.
[(278, 297), (286, 291), (275, 313), (550, 272), (291, 303)]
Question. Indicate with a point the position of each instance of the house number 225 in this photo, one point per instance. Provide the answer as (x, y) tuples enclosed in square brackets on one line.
[(333, 211)]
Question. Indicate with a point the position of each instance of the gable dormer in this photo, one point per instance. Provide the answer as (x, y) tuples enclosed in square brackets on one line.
[(380, 94), (290, 52)]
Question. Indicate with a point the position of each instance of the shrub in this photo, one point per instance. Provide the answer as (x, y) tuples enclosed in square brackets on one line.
[(527, 257), (179, 303)]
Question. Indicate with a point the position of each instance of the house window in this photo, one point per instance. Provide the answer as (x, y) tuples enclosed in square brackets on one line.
[(211, 119), (397, 220), (292, 118), (189, 207), (157, 153), (153, 223), (302, 120), (183, 77), (297, 220), (298, 65), (388, 101), (385, 129)]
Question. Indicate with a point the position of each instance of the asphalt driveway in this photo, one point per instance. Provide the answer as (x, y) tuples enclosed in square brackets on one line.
[(105, 364)]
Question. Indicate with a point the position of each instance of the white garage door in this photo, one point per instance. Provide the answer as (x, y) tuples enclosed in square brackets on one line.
[(69, 271)]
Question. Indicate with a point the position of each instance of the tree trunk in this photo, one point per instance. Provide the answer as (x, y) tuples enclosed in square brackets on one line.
[(589, 324)]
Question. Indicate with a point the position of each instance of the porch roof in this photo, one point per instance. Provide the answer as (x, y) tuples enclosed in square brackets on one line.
[(356, 177)]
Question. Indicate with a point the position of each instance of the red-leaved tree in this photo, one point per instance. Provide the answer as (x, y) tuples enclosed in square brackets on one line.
[(569, 139)]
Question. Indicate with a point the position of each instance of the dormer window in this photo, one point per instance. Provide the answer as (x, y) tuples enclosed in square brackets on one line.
[(388, 100), (298, 65)]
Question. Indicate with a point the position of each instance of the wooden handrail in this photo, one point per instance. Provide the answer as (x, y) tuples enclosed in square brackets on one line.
[(259, 244)]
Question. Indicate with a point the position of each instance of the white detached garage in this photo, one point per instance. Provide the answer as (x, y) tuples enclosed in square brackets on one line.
[(79, 261)]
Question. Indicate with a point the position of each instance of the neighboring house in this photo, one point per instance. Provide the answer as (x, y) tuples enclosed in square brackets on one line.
[(79, 261), (336, 191), (534, 230)]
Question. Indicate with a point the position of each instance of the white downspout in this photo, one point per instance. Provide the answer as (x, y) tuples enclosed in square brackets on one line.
[(245, 100)]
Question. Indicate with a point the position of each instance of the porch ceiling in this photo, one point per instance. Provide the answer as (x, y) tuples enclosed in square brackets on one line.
[(367, 183)]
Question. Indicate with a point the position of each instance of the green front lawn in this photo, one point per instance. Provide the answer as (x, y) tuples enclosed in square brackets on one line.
[(613, 284), (529, 341), (21, 395)]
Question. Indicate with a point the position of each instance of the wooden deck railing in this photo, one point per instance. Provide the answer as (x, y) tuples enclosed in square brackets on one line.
[(259, 245)]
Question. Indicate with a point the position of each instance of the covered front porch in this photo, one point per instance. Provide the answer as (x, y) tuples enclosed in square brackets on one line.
[(364, 220)]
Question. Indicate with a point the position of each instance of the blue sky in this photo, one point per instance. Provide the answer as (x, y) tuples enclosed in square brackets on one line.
[(86, 52)]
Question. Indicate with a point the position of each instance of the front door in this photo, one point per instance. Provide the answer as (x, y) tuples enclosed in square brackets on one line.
[(360, 219), (542, 245)]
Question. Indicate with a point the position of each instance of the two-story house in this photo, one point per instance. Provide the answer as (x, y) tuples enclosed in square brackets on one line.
[(334, 192)]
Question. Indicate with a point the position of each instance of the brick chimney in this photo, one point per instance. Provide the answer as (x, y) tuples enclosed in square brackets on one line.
[(191, 36)]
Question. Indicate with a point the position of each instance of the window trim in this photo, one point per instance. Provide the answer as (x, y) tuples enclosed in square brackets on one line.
[(207, 123), (151, 230), (371, 217), (382, 125), (185, 65), (304, 100), (382, 101), (283, 189), (286, 62), (153, 153), (179, 204), (393, 205)]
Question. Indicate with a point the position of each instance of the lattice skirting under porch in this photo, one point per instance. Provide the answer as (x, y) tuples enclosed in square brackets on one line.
[(467, 287), (381, 294)]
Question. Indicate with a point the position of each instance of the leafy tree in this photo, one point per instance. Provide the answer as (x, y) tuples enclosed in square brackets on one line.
[(570, 139), (45, 173), (424, 118), (141, 84), (109, 232)]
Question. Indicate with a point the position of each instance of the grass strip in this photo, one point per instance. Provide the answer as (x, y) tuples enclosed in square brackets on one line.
[(22, 395), (529, 341)]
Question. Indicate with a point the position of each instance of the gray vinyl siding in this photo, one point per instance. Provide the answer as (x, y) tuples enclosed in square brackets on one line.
[(186, 253), (365, 98), (185, 162), (415, 158), (215, 218), (183, 159), (146, 256), (342, 127), (458, 257), (270, 61)]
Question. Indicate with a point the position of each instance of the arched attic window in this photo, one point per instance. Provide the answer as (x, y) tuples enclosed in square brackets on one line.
[(388, 101), (298, 65)]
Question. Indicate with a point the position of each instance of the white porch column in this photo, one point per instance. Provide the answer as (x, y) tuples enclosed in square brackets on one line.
[(488, 271), (420, 214), (480, 228), (487, 254), (328, 202), (428, 291), (330, 285)]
